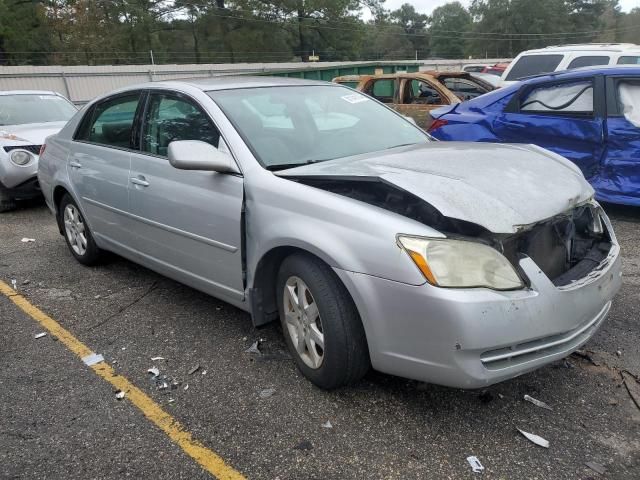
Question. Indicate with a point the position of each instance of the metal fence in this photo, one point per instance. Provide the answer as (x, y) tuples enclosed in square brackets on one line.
[(82, 83)]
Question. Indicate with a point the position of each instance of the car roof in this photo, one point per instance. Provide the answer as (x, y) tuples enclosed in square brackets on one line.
[(244, 81), (28, 92), (580, 72), (582, 47)]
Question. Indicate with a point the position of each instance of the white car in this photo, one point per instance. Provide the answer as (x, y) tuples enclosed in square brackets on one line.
[(568, 57), (27, 117)]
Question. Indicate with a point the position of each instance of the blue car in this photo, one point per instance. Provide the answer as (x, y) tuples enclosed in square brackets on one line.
[(591, 117)]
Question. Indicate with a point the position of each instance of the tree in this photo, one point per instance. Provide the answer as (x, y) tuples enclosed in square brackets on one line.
[(413, 25), (450, 24)]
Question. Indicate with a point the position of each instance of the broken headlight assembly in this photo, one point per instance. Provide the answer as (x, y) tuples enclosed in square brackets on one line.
[(460, 264)]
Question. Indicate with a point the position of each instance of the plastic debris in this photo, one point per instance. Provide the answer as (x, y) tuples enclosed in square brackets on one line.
[(204, 372), (40, 335), (156, 359), (154, 371), (303, 445), (537, 403), (163, 386), (120, 394), (92, 359), (171, 400), (475, 464), (631, 383), (596, 467), (27, 240), (14, 284), (267, 392), (619, 353), (26, 282), (96, 297), (186, 387), (193, 370), (327, 425), (254, 348), (535, 438)]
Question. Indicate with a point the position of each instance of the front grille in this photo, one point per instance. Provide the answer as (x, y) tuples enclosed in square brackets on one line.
[(519, 354), (35, 149)]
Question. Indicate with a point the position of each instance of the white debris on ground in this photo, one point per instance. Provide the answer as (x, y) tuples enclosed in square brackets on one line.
[(28, 240), (537, 403), (92, 359), (154, 371), (475, 464), (120, 394), (535, 438), (267, 392), (254, 348), (327, 424), (40, 335)]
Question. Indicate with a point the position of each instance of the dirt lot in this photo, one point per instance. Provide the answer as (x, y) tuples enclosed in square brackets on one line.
[(60, 420)]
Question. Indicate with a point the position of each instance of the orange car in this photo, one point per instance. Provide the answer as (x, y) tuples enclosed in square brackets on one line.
[(413, 94)]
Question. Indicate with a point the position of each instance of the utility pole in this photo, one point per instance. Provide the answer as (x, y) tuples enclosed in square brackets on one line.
[(151, 55)]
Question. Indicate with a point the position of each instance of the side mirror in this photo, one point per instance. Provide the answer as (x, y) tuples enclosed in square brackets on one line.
[(197, 155)]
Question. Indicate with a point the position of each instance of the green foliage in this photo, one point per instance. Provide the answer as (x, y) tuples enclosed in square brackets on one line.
[(219, 31)]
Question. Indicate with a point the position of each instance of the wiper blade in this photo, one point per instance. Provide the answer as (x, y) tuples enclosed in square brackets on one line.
[(284, 166)]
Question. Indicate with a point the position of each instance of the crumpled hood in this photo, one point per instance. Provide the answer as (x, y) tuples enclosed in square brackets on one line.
[(498, 186), (32, 133)]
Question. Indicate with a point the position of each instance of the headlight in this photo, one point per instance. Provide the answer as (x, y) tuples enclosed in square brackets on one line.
[(457, 263), (21, 157)]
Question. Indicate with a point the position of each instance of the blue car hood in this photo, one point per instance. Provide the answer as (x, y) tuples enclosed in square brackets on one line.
[(501, 187)]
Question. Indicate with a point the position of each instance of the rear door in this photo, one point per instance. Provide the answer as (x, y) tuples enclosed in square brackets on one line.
[(620, 176), (99, 163), (565, 117), (188, 223)]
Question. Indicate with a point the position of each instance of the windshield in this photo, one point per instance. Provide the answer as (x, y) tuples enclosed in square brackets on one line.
[(529, 65), (28, 108), (289, 126)]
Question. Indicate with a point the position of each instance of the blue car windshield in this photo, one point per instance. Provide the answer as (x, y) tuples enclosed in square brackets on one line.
[(295, 125), (23, 108)]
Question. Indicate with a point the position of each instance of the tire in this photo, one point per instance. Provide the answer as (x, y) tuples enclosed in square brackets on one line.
[(7, 203), (342, 358), (77, 234)]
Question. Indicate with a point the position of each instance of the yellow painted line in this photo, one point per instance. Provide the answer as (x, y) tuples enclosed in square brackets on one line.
[(208, 460)]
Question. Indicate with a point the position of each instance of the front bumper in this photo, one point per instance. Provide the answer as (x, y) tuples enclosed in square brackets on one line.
[(471, 338)]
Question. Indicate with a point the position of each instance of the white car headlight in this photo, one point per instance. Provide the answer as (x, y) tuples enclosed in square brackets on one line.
[(458, 263), (21, 157)]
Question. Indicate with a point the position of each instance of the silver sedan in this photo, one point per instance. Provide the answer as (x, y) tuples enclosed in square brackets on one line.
[(452, 263)]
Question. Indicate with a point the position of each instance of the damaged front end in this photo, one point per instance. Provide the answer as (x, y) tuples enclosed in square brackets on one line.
[(567, 248)]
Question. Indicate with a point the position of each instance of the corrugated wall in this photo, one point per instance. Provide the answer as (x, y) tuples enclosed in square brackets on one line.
[(82, 83)]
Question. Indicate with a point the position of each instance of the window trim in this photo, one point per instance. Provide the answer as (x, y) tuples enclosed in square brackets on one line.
[(91, 111), (598, 100)]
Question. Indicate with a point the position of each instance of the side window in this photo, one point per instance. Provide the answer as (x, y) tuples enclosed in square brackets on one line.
[(422, 93), (629, 60), (383, 90), (534, 65), (629, 101), (565, 98), (464, 89), (170, 118), (588, 61), (110, 122)]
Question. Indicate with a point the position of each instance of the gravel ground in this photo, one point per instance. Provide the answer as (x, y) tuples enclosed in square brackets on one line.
[(60, 420)]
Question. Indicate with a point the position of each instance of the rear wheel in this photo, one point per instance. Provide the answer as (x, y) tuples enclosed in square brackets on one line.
[(320, 323), (77, 233)]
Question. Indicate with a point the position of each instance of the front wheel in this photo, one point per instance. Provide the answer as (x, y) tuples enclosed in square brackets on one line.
[(77, 233), (320, 323)]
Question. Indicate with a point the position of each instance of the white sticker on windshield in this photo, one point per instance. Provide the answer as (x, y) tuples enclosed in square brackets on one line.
[(355, 98)]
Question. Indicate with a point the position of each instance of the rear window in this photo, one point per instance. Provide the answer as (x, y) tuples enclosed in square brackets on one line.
[(629, 60), (565, 98), (534, 65), (588, 61)]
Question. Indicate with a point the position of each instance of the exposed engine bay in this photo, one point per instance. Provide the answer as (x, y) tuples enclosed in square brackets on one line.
[(566, 247)]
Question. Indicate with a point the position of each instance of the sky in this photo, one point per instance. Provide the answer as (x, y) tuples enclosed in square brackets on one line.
[(427, 6)]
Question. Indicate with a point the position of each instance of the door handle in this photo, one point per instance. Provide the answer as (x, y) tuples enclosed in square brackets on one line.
[(139, 181), (75, 164)]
